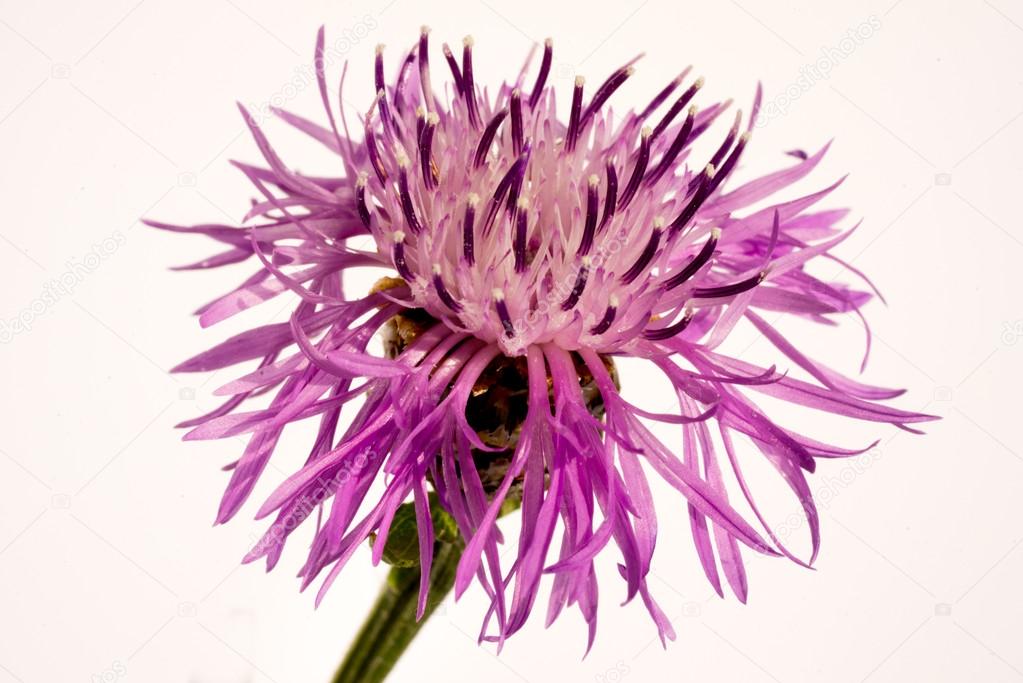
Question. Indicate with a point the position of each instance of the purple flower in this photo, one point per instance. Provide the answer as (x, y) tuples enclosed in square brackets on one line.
[(530, 253)]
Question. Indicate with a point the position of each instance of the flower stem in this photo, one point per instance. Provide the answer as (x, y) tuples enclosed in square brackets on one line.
[(391, 624)]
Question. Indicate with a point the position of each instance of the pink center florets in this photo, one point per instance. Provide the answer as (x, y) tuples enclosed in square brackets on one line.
[(520, 229)]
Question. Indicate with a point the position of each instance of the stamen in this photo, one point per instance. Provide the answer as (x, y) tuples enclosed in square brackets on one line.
[(638, 170), (698, 262), (399, 86), (676, 146), (730, 162), (390, 128), (516, 121), (727, 144), (611, 198), (379, 70), (407, 207), (573, 119), (661, 96), (522, 214), (374, 156), (697, 200), (499, 194), (609, 316), (519, 176), (590, 227), (442, 291), (580, 285), (425, 144), (606, 89), (420, 121), (647, 255), (502, 313), (360, 199), (468, 236), (398, 256), (671, 330), (424, 66), (545, 69), (469, 87), (488, 137), (456, 73), (729, 290), (678, 106)]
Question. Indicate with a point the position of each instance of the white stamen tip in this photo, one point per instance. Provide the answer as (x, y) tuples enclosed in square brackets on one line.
[(402, 160), (580, 81), (380, 48), (474, 199), (746, 136), (497, 294), (424, 29), (715, 233), (613, 301), (446, 50), (361, 180), (516, 93), (699, 83), (646, 132), (436, 269), (693, 109), (593, 180), (522, 203), (548, 42), (659, 222), (420, 111), (468, 41), (710, 170), (433, 118), (398, 236), (586, 261), (630, 70)]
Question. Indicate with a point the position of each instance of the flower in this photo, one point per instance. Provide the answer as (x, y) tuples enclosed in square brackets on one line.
[(528, 254)]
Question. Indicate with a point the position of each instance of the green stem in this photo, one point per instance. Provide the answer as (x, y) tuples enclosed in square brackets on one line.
[(391, 624)]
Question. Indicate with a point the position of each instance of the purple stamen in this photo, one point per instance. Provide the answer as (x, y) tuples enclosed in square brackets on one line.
[(671, 330), (374, 156), (541, 77), (609, 317), (638, 170), (360, 200), (488, 137), (702, 191), (520, 235), (442, 291), (456, 73), (405, 196), (611, 197), (425, 144), (398, 256), (678, 106), (590, 227), (580, 285), (502, 313), (604, 92), (516, 121), (573, 118), (649, 251), (469, 87), (468, 236), (694, 265), (676, 146), (424, 67), (729, 290), (661, 97), (730, 163)]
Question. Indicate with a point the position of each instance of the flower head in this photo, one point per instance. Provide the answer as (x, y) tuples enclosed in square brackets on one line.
[(528, 252)]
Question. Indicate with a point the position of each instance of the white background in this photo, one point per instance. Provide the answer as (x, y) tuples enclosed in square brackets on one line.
[(109, 567)]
